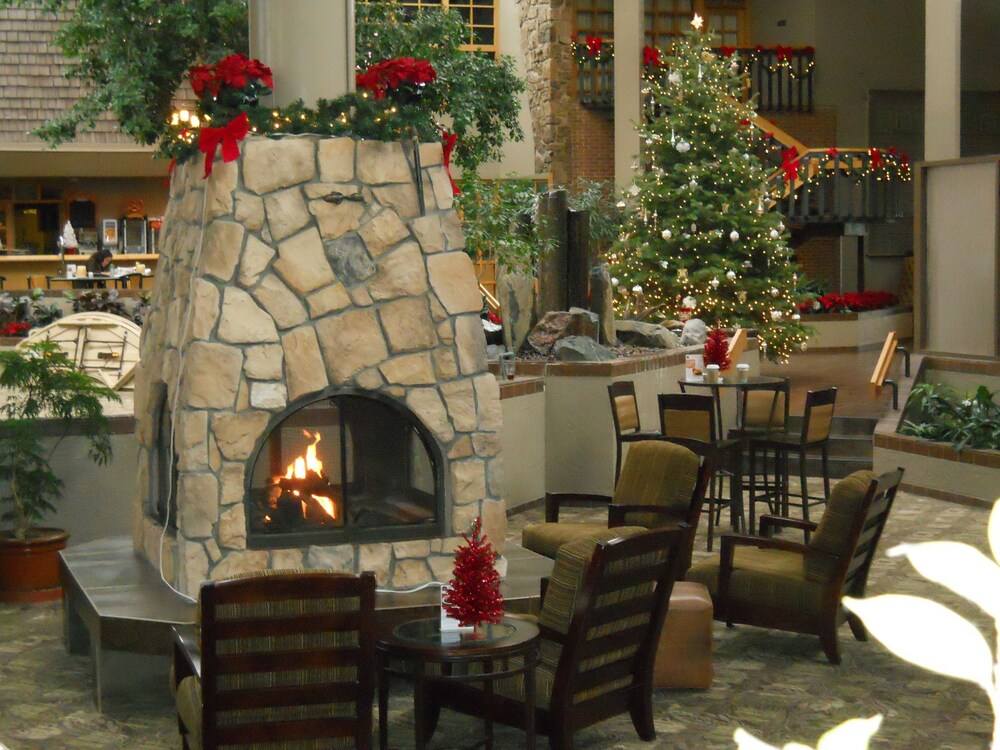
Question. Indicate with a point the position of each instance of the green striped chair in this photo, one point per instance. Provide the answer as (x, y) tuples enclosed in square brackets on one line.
[(778, 583), (282, 660), (600, 622)]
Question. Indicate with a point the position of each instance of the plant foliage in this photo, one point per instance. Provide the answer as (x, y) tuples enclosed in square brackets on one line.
[(41, 381), (940, 414)]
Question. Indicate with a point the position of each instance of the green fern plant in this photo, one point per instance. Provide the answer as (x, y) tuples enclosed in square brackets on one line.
[(939, 413)]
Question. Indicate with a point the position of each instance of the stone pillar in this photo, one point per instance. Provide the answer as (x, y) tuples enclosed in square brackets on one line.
[(629, 24), (308, 44), (942, 80)]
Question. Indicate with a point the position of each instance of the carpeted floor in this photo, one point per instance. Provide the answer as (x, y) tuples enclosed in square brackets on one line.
[(777, 685)]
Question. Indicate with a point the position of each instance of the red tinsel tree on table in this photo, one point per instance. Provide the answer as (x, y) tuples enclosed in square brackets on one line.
[(717, 349), (473, 596)]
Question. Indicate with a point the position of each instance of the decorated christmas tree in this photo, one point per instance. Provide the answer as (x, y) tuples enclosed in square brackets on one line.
[(704, 224), (473, 596)]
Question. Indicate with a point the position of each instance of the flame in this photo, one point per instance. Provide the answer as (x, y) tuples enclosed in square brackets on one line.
[(301, 466)]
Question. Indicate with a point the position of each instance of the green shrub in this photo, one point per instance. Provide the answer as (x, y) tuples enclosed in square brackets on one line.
[(939, 413)]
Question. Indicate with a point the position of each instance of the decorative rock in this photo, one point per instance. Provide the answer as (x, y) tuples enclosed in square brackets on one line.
[(336, 219), (237, 433), (286, 213), (441, 185), (304, 368), (516, 293), (193, 565), (453, 234), (376, 558), (270, 164), (240, 563), (453, 279), (328, 299), (211, 375), (302, 262), (410, 573), (429, 233), (336, 159), (461, 448), (221, 249), (242, 321), (460, 398), (638, 333), (231, 479), (349, 259), (558, 325), (220, 188), (431, 154), (381, 162), (249, 211), (486, 444), (407, 324), (602, 301), (442, 568), (198, 514), (445, 366), (462, 517), (350, 342), (268, 395), (192, 441), (471, 344), (331, 558), (400, 274), (382, 231), (233, 528), (581, 349), (415, 548), (488, 398), (410, 369), (694, 333), (206, 309), (427, 406), (255, 259), (400, 198), (288, 559), (284, 307)]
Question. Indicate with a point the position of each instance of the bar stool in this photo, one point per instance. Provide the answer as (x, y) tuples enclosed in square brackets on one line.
[(691, 416), (815, 434), (625, 414), (762, 408)]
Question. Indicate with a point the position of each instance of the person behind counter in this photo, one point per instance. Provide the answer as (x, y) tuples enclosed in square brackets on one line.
[(100, 261)]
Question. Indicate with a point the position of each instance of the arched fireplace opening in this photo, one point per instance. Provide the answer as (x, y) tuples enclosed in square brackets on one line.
[(162, 494), (346, 466)]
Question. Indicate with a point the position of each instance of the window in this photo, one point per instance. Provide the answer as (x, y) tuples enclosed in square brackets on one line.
[(479, 15), (666, 19)]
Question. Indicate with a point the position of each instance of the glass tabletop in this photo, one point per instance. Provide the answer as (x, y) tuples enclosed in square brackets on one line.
[(733, 381), (428, 632)]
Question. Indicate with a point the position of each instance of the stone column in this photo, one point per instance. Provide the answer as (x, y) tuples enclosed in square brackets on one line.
[(308, 44), (629, 22), (943, 79)]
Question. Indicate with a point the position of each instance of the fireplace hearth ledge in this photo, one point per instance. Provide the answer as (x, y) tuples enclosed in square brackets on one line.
[(294, 295)]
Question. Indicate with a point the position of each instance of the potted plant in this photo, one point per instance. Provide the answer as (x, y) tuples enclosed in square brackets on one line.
[(40, 385)]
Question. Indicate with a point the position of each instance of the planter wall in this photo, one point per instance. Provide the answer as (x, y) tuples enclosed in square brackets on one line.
[(523, 448), (858, 330)]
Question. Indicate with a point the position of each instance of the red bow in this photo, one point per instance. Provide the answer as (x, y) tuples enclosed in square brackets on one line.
[(832, 152), (726, 51), (904, 162), (594, 44), (784, 53), (228, 135), (768, 134), (790, 164), (448, 141), (808, 50), (892, 151), (876, 157), (744, 122), (651, 56)]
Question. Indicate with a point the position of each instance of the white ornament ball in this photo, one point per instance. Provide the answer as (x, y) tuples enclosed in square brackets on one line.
[(775, 314), (683, 147), (731, 275), (803, 346), (734, 235), (775, 291), (694, 227), (674, 78), (664, 265), (693, 184), (796, 316), (715, 282), (734, 67), (637, 289), (746, 157), (633, 189), (614, 281), (781, 226), (775, 234), (747, 264), (689, 302), (666, 234), (713, 127), (620, 204)]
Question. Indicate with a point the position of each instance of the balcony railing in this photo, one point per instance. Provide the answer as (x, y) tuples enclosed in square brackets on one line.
[(780, 78)]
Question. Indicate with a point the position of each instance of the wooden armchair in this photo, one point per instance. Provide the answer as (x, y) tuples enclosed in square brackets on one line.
[(282, 658), (777, 583), (600, 622), (663, 483)]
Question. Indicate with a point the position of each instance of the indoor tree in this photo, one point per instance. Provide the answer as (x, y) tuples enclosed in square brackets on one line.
[(703, 232)]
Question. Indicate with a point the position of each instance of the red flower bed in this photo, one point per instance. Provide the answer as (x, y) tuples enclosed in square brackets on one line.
[(15, 329), (235, 71), (850, 302), (390, 74)]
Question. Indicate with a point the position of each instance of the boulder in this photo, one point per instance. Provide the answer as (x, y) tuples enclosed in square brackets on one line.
[(638, 333), (695, 332), (581, 349), (516, 293), (602, 300), (559, 325)]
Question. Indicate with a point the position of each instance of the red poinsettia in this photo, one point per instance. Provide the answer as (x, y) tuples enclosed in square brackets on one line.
[(15, 329), (850, 302), (384, 76), (235, 71)]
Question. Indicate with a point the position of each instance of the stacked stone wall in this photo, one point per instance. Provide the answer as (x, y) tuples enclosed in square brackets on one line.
[(272, 285)]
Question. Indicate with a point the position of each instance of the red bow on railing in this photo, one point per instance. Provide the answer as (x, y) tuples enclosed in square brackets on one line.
[(651, 56), (784, 53), (876, 156), (790, 164), (904, 163), (448, 141), (892, 151), (229, 136), (727, 51), (832, 152), (594, 44)]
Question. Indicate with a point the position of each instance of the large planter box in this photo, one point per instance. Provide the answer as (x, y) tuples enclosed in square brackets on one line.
[(858, 330), (523, 448)]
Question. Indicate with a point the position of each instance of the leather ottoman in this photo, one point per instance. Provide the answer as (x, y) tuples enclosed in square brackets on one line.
[(684, 656)]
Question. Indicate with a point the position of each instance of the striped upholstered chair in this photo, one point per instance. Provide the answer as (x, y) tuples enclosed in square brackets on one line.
[(662, 484), (285, 659), (777, 583), (600, 622)]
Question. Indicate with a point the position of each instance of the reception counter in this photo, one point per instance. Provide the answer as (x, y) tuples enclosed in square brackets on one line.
[(17, 269)]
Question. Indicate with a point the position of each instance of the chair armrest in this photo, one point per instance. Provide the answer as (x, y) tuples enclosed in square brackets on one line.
[(187, 652), (766, 522), (617, 512), (543, 586), (631, 437)]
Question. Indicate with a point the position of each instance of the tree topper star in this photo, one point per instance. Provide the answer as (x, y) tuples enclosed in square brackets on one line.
[(697, 21)]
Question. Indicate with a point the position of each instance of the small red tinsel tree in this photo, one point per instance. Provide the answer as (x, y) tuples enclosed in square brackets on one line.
[(717, 349), (473, 596)]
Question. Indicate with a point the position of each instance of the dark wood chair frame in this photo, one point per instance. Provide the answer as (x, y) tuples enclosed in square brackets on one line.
[(562, 718), (777, 496), (200, 659), (721, 448), (618, 389), (850, 576)]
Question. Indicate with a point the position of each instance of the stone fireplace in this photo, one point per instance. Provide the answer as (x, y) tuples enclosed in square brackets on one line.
[(313, 389)]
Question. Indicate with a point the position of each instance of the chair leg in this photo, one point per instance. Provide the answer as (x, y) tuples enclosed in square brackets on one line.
[(804, 488), (618, 460), (752, 494), (641, 709), (857, 627), (828, 639), (826, 473), (712, 509)]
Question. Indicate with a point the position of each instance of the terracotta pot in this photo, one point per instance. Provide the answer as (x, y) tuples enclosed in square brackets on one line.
[(29, 568)]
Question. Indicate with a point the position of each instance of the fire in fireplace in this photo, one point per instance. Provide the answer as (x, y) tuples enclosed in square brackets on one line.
[(347, 466)]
